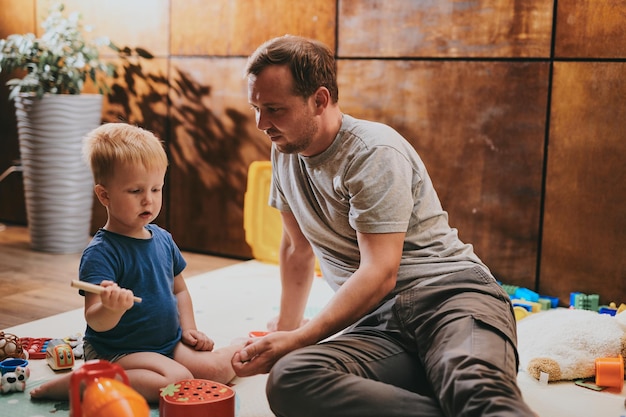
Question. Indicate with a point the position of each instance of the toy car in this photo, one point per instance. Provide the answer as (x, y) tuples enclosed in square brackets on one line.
[(59, 355)]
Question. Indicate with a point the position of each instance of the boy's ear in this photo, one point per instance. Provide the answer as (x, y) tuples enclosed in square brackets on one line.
[(102, 194)]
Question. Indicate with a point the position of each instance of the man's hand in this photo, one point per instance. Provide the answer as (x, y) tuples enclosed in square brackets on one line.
[(260, 354)]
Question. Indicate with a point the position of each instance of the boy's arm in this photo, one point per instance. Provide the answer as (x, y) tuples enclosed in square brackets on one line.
[(191, 335), (185, 306), (103, 311)]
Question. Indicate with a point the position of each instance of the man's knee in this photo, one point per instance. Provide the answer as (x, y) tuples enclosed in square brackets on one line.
[(284, 389)]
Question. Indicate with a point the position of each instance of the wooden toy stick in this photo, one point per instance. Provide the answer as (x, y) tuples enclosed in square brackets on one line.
[(96, 289)]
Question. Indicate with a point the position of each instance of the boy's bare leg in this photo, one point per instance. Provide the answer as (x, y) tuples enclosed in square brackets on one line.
[(55, 389), (214, 365), (148, 372)]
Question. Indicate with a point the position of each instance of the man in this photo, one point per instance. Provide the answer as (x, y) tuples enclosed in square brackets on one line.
[(428, 331)]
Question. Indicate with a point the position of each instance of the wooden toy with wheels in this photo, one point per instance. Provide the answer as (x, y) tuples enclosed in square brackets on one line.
[(197, 398)]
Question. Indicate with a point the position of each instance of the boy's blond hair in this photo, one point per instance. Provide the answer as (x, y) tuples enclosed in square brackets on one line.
[(115, 144)]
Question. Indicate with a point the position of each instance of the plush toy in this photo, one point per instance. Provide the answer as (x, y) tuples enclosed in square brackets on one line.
[(14, 381), (564, 343)]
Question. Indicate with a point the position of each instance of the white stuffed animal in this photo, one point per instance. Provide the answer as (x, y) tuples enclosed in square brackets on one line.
[(14, 381), (564, 343)]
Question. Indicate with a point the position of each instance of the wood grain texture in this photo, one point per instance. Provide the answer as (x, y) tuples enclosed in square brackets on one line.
[(445, 28), (213, 141), (127, 23), (237, 27), (479, 127), (15, 17), (37, 285), (584, 233), (591, 29)]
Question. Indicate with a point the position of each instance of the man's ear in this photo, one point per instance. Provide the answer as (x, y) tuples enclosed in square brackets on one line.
[(102, 194), (322, 98)]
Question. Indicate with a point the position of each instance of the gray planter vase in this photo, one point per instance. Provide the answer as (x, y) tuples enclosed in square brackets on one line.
[(58, 184)]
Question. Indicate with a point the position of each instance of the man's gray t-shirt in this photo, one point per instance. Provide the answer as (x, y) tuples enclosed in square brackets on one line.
[(372, 180)]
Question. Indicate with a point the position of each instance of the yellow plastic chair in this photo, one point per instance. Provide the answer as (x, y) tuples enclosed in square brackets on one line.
[(262, 223)]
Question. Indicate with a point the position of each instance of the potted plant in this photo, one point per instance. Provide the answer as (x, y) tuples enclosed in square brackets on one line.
[(53, 116)]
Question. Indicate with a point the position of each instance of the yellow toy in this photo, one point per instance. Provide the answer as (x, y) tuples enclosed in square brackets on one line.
[(59, 355)]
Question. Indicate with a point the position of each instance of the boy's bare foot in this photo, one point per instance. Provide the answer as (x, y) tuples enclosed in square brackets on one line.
[(56, 389)]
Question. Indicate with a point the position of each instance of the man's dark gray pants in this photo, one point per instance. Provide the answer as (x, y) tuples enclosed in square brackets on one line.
[(445, 347)]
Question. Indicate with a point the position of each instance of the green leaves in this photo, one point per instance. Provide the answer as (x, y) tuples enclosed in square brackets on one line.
[(57, 63)]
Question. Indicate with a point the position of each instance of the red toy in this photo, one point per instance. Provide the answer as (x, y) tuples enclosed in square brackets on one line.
[(36, 347), (197, 398), (102, 394)]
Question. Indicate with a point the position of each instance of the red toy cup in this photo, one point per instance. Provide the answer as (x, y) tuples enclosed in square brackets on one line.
[(610, 372)]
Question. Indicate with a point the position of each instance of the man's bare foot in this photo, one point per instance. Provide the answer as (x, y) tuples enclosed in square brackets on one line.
[(56, 389)]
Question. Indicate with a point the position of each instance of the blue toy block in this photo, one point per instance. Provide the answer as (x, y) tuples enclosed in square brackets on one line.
[(526, 294)]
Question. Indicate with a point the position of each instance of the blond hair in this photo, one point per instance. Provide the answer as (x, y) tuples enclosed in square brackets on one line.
[(115, 144)]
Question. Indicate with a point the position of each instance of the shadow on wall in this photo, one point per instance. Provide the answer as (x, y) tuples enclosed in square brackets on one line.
[(215, 151)]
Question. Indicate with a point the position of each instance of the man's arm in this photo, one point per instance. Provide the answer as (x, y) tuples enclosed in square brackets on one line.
[(364, 290), (297, 265)]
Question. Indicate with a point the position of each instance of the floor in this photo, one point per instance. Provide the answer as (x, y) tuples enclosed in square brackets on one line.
[(34, 285)]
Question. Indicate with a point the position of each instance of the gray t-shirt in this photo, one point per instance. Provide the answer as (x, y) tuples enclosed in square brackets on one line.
[(372, 180)]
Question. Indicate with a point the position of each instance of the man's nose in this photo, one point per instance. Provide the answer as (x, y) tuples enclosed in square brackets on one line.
[(262, 121)]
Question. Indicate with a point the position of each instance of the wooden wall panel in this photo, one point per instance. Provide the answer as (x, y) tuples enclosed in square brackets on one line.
[(138, 96), (15, 17), (591, 29), (478, 123), (214, 139), (445, 28), (237, 27), (136, 23), (584, 234), (479, 127)]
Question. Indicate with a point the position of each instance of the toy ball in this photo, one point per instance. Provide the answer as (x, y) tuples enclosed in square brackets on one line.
[(11, 347), (106, 397)]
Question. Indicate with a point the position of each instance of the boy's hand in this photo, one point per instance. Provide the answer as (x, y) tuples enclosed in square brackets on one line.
[(116, 298), (197, 339)]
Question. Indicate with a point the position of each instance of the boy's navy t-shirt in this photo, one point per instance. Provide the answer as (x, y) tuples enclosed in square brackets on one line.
[(147, 267)]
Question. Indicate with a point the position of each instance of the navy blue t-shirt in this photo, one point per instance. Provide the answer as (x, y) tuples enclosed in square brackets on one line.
[(147, 267)]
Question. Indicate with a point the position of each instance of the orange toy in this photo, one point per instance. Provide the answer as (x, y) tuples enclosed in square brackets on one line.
[(197, 398), (610, 372), (104, 395)]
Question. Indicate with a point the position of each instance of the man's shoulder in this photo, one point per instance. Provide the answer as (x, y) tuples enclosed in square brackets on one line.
[(370, 131)]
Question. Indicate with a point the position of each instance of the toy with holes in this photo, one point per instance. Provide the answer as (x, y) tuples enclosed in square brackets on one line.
[(197, 398), (59, 355), (103, 394), (35, 346), (11, 347)]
